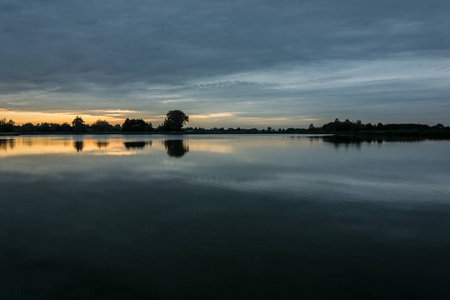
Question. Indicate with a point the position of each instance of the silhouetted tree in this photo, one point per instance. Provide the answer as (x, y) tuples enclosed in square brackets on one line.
[(357, 126), (369, 126), (136, 125), (438, 126), (65, 127), (175, 119), (78, 124), (102, 126), (28, 127), (6, 126), (55, 127), (346, 126), (43, 127)]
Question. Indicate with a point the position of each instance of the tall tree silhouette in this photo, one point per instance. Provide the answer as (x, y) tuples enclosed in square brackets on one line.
[(175, 119), (78, 124)]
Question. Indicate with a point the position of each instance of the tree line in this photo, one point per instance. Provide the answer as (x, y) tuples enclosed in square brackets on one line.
[(174, 122), (390, 129), (340, 127), (176, 119)]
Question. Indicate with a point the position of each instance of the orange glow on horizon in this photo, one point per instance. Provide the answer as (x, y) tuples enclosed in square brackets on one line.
[(22, 117), (118, 116)]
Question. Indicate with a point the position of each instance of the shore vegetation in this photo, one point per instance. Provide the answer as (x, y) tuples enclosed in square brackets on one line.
[(176, 119)]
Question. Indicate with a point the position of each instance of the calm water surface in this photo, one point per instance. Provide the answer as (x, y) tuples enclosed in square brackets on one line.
[(223, 217)]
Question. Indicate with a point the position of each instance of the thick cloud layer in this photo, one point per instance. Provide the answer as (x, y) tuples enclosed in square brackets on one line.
[(291, 60)]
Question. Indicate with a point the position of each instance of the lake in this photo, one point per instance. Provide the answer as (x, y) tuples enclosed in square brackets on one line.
[(223, 217)]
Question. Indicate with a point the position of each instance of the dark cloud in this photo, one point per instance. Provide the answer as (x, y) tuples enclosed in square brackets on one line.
[(108, 53)]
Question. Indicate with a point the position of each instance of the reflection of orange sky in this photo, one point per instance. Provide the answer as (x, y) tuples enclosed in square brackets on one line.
[(33, 145), (60, 145), (217, 146), (47, 145)]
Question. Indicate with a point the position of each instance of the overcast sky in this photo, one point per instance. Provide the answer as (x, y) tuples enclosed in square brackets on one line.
[(248, 63)]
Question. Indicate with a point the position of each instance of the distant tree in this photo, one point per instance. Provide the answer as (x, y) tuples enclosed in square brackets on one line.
[(28, 127), (78, 124), (136, 125), (346, 126), (65, 127), (55, 127), (311, 127), (102, 126), (291, 130), (43, 127), (357, 126), (6, 126), (175, 119), (368, 126), (438, 126)]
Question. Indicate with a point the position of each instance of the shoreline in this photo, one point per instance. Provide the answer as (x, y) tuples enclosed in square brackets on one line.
[(432, 134)]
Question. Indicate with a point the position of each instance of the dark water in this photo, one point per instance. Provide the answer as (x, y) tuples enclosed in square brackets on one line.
[(223, 217)]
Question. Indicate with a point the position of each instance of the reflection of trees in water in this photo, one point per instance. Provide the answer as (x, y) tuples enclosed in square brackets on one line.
[(138, 145), (7, 144), (357, 141), (101, 144), (176, 148), (79, 145), (28, 142), (347, 141)]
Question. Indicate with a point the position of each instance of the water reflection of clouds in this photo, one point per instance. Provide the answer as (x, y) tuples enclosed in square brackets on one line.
[(115, 153), (216, 147), (322, 186), (264, 165)]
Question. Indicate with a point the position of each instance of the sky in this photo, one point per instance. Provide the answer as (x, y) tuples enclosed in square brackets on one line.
[(247, 63)]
